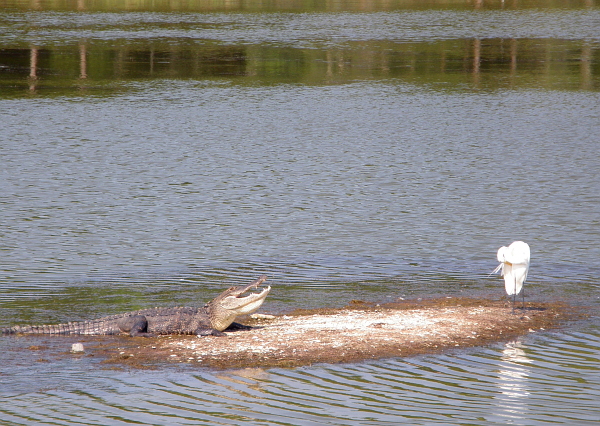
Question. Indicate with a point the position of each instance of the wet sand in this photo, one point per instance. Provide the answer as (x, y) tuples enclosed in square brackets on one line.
[(360, 331)]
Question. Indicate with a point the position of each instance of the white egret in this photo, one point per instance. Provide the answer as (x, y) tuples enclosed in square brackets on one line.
[(514, 265)]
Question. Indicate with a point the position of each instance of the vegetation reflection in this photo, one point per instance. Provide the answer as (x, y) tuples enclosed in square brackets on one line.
[(479, 64)]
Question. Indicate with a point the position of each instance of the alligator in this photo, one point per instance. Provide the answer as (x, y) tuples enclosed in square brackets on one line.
[(211, 319)]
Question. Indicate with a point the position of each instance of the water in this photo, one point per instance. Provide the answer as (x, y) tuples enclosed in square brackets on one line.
[(153, 157), (547, 379)]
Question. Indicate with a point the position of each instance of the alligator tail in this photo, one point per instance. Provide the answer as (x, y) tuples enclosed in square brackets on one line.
[(73, 328), (41, 329)]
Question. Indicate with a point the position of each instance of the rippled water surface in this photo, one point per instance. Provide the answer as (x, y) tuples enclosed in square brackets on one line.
[(154, 156)]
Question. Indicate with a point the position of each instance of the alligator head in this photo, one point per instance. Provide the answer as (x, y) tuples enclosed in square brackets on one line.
[(232, 303)]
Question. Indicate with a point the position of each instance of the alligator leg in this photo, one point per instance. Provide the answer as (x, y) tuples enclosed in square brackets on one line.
[(207, 331), (238, 326), (136, 326)]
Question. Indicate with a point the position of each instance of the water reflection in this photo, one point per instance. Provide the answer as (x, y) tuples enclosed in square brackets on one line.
[(491, 63), (436, 45), (513, 375), (513, 382)]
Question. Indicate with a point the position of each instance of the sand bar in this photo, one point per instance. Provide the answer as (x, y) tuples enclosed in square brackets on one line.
[(360, 331)]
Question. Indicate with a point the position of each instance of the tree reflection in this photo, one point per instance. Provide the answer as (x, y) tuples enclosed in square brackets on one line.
[(33, 59), (478, 63)]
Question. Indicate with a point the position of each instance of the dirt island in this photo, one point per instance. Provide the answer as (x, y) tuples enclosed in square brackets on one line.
[(357, 332)]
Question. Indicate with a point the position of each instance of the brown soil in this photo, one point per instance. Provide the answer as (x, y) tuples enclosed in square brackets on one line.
[(358, 332)]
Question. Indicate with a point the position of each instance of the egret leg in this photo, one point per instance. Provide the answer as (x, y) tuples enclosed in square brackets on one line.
[(514, 296)]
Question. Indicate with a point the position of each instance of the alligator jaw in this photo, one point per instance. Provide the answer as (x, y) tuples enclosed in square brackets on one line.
[(234, 299), (232, 303)]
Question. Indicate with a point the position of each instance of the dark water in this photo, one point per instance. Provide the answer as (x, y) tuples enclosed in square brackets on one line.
[(153, 156)]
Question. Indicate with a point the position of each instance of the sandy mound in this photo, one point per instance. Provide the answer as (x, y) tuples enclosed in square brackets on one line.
[(358, 332)]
